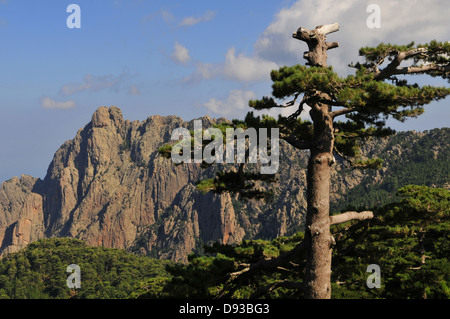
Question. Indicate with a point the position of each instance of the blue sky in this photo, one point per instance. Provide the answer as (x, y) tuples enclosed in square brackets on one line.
[(185, 58)]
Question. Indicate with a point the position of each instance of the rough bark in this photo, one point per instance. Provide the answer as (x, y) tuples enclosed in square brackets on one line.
[(317, 45), (318, 240), (317, 236)]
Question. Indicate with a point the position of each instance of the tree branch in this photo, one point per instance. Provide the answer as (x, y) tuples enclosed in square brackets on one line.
[(391, 69), (332, 45), (307, 35), (291, 103), (422, 69), (342, 112), (328, 28), (265, 264), (302, 34), (299, 144), (345, 158), (348, 216)]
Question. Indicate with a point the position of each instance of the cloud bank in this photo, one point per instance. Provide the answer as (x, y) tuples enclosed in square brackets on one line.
[(402, 21), (237, 100), (51, 104)]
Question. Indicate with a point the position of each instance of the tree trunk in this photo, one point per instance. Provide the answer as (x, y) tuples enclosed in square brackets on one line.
[(318, 238)]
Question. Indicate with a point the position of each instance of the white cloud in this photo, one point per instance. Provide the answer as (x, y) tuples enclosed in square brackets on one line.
[(204, 71), (95, 83), (208, 70), (49, 103), (402, 21), (180, 54), (239, 67), (235, 104), (190, 21), (247, 69)]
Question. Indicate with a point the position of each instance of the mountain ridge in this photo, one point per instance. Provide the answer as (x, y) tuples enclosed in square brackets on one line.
[(109, 186)]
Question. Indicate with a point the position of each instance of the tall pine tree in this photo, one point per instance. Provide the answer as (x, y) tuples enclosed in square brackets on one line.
[(377, 91), (365, 101)]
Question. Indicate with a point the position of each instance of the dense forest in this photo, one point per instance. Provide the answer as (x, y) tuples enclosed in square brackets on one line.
[(423, 160), (408, 239), (39, 272)]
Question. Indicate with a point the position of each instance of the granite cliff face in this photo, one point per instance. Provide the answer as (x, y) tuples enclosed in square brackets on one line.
[(110, 187), (21, 214)]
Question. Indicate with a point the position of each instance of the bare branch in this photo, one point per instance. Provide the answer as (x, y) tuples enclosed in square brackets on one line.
[(342, 112), (332, 45), (348, 216), (302, 34), (306, 35), (422, 69), (328, 28)]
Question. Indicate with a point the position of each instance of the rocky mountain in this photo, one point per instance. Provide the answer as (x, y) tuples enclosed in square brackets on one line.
[(109, 186)]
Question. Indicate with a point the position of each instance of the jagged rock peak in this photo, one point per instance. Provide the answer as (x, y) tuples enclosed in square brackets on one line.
[(104, 116)]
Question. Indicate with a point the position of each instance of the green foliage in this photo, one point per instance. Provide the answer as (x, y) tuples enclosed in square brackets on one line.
[(206, 276), (208, 185), (437, 53), (422, 161), (166, 150), (290, 80), (408, 239), (382, 51), (228, 181), (366, 99), (39, 272), (242, 182)]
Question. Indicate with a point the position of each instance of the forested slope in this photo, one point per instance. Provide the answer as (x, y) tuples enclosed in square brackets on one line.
[(39, 271), (409, 240)]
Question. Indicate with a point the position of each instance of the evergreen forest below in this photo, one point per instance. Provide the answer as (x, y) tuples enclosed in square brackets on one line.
[(408, 239)]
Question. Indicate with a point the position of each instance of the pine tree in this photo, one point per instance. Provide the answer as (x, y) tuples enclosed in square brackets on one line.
[(366, 100), (377, 91)]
